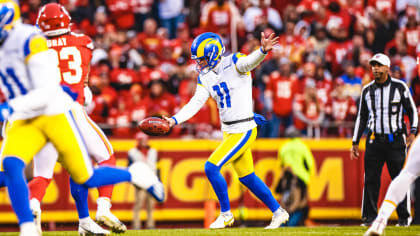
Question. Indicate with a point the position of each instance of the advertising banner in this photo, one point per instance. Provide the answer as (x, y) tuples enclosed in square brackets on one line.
[(335, 190)]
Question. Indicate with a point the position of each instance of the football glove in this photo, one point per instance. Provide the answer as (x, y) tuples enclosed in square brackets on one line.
[(260, 119), (5, 111), (72, 94)]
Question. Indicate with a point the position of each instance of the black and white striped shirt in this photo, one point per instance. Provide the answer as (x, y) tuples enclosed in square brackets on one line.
[(381, 109)]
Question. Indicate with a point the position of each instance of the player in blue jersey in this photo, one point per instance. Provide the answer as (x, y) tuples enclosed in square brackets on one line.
[(228, 81)]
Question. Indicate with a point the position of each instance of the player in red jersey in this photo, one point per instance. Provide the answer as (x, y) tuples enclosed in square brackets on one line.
[(74, 52)]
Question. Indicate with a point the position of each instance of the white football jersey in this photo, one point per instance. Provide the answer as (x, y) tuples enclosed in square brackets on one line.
[(230, 84), (233, 93), (29, 76)]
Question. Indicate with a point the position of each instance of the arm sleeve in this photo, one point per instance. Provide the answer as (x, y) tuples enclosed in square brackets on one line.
[(45, 77), (361, 120), (248, 63), (193, 106), (411, 110)]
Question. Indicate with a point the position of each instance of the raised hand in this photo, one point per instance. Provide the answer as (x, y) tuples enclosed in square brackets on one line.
[(268, 43)]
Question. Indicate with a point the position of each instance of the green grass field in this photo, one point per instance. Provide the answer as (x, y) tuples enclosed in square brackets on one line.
[(297, 231)]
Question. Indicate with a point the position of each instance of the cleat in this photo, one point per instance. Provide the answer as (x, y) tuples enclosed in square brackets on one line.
[(29, 229), (278, 219), (89, 227), (157, 191), (105, 217), (377, 228), (223, 221), (110, 220), (143, 177), (36, 212)]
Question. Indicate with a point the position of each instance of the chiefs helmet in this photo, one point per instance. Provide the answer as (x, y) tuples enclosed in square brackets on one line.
[(54, 20)]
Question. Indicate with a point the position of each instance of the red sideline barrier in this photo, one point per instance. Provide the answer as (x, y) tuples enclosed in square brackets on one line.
[(335, 191)]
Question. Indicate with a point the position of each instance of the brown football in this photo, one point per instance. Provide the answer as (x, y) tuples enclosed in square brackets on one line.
[(154, 126)]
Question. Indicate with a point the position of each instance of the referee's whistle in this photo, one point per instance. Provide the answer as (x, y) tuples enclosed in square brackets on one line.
[(372, 136)]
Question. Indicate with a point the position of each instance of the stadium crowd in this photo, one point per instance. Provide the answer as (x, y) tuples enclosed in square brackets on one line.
[(312, 80)]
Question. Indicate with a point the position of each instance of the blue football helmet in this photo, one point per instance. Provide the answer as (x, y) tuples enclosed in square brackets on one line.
[(208, 46), (9, 15)]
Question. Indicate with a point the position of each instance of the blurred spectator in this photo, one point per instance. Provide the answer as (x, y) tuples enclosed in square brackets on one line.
[(308, 110), (121, 13), (291, 45), (142, 9), (171, 14), (262, 14), (412, 33), (120, 120), (397, 73), (219, 16), (278, 97), (29, 10), (351, 82), (318, 75), (319, 41), (148, 155), (338, 50), (159, 102), (298, 165), (337, 19), (149, 39), (138, 109), (340, 110)]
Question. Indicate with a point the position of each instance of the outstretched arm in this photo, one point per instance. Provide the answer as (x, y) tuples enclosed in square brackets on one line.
[(250, 62), (191, 108)]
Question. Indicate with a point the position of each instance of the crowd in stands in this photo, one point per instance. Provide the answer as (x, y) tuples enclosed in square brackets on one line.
[(312, 80)]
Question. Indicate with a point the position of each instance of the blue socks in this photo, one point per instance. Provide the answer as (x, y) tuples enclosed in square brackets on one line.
[(3, 179), (105, 175), (258, 187), (17, 188), (80, 195), (219, 185), (101, 176)]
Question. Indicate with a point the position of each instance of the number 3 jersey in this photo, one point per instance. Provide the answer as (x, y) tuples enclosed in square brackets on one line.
[(74, 52), (29, 76), (230, 88)]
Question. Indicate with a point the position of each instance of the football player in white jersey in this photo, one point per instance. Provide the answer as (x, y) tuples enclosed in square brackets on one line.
[(74, 52), (38, 111), (228, 81)]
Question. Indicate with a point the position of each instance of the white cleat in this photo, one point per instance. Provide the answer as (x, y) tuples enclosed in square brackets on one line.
[(89, 227), (110, 220), (377, 228), (278, 219), (28, 229), (143, 177), (36, 212), (223, 221)]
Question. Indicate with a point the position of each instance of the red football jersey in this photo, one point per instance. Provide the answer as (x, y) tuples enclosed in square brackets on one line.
[(283, 90), (74, 52)]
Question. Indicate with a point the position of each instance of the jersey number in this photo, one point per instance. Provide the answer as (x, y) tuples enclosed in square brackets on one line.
[(75, 65), (222, 96)]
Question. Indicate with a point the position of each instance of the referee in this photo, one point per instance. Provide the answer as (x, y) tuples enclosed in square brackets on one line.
[(382, 106)]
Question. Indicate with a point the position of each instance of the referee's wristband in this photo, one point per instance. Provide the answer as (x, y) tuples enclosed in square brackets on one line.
[(413, 131)]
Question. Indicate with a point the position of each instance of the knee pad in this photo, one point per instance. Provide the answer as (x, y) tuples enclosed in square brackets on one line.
[(211, 168)]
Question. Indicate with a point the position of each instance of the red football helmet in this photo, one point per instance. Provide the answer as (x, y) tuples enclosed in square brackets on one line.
[(54, 20)]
